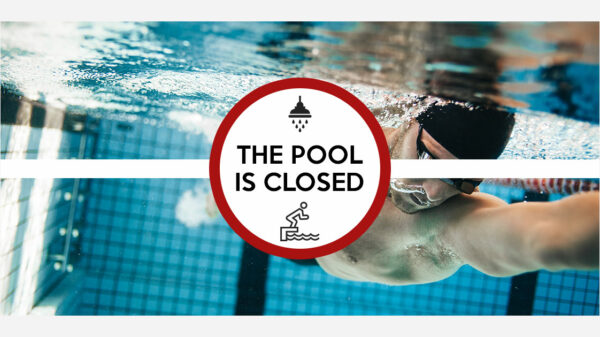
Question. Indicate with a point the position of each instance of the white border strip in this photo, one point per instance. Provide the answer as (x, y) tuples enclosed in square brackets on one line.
[(273, 10), (188, 168), (348, 326)]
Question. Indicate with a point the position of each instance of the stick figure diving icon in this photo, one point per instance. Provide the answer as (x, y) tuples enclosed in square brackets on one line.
[(290, 233)]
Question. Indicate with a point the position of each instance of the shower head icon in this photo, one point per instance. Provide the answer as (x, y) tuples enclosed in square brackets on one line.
[(299, 115)]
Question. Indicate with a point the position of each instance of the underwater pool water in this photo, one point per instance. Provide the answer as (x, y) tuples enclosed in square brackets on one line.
[(190, 74)]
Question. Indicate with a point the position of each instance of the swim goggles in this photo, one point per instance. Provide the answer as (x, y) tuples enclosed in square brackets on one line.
[(464, 185)]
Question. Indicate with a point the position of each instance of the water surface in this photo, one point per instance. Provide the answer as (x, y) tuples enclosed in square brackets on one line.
[(190, 74)]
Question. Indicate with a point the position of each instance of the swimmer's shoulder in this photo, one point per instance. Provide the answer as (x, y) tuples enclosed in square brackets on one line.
[(480, 199), (463, 204)]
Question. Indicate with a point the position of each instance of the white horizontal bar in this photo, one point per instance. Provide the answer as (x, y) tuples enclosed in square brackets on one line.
[(520, 168), (105, 168), (198, 168)]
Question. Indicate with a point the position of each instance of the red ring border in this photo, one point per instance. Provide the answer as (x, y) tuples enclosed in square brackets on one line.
[(219, 195)]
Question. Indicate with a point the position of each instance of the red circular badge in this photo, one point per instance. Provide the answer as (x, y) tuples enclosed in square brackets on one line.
[(276, 144)]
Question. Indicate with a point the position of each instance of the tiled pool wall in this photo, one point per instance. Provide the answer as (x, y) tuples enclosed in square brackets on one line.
[(139, 259), (33, 211)]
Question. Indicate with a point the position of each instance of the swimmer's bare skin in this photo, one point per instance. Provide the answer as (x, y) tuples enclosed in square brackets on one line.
[(479, 230)]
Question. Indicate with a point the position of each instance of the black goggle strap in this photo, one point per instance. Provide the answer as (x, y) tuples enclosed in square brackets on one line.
[(464, 185), (422, 151)]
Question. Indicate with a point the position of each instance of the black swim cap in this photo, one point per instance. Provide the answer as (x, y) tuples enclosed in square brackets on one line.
[(468, 132)]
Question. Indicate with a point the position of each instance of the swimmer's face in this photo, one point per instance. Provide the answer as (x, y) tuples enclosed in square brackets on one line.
[(413, 195)]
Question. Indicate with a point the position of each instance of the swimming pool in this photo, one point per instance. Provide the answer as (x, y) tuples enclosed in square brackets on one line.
[(159, 90)]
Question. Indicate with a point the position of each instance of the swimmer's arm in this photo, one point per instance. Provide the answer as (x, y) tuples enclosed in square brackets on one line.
[(503, 240)]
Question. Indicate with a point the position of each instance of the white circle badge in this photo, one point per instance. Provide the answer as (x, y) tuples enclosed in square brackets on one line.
[(299, 168)]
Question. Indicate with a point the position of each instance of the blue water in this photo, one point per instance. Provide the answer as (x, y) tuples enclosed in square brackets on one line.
[(190, 74)]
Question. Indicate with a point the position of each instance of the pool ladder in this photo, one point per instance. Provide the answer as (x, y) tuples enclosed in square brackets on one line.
[(70, 231)]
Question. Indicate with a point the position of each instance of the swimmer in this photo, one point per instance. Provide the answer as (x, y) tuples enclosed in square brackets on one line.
[(429, 228)]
